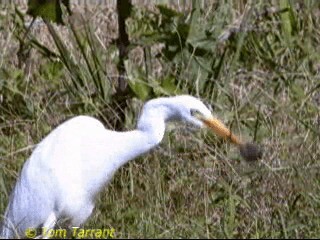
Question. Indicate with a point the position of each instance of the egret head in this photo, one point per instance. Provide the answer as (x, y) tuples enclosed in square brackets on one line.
[(191, 109), (157, 112), (194, 111)]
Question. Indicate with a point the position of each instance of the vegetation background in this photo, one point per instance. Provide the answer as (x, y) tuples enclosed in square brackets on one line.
[(256, 62)]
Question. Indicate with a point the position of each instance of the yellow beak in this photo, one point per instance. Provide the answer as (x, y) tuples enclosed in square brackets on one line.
[(220, 129), (249, 151)]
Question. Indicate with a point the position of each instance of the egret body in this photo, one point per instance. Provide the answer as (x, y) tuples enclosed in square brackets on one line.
[(72, 164)]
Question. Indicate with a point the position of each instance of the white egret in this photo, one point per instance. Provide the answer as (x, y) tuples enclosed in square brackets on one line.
[(71, 165)]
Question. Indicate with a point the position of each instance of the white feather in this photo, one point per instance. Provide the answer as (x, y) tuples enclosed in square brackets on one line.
[(76, 160)]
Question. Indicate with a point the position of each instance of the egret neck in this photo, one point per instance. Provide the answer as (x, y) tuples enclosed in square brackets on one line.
[(149, 133)]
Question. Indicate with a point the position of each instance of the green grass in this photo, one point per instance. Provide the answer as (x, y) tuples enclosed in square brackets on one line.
[(263, 80)]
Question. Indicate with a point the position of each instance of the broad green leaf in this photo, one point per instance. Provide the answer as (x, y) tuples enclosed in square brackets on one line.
[(196, 30), (285, 19), (167, 12), (48, 9), (297, 92), (137, 82), (168, 85), (140, 88)]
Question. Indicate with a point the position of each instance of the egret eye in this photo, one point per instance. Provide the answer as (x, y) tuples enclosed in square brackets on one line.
[(195, 113)]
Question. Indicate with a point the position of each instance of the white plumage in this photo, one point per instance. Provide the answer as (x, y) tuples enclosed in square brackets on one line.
[(71, 165)]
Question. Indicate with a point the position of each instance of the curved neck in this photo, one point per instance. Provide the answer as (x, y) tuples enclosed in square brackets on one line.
[(149, 133)]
